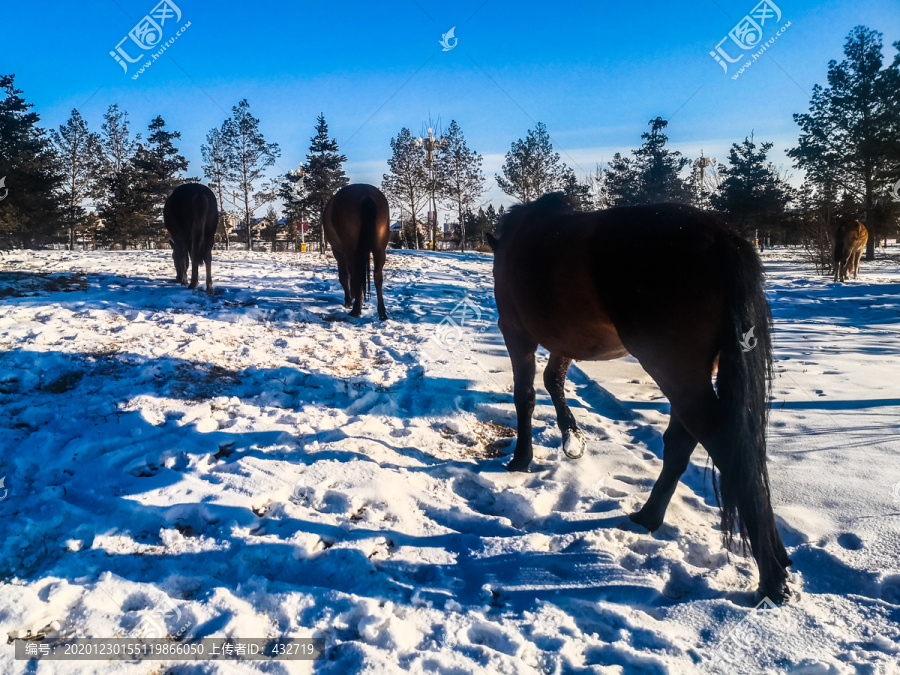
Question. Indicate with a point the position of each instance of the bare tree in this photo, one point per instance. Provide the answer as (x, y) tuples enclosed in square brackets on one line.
[(249, 155), (216, 169), (459, 174), (408, 182)]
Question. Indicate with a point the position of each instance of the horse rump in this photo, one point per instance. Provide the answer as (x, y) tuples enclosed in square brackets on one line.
[(191, 216)]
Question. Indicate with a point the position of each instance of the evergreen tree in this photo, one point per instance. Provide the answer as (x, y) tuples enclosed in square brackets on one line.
[(78, 152), (157, 172), (579, 192), (270, 227), (621, 181), (292, 192), (324, 175), (851, 135), (477, 226), (127, 209), (532, 168), (249, 155), (407, 185), (458, 171), (751, 193), (653, 175), (30, 176)]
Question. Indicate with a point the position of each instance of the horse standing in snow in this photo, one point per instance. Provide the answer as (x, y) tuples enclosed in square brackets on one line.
[(191, 217), (356, 222), (676, 288), (849, 244)]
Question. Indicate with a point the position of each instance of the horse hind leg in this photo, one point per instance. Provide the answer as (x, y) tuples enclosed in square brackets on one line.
[(344, 276), (207, 259), (751, 493), (555, 383), (678, 444), (379, 259)]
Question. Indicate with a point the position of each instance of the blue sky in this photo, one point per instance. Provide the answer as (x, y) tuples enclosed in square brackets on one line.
[(594, 73)]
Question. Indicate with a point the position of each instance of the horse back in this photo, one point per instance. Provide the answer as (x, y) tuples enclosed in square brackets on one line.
[(191, 206), (345, 213), (594, 285)]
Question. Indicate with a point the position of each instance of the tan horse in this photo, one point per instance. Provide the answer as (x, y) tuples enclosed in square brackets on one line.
[(676, 288), (849, 244), (356, 222)]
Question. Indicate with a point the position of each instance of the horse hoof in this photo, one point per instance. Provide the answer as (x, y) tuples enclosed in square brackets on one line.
[(382, 316), (649, 523), (573, 443), (355, 313), (777, 595), (517, 465)]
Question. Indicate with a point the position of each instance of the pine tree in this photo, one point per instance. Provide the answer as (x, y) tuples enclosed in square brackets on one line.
[(578, 191), (270, 228), (751, 193), (407, 185), (851, 135), (653, 175), (324, 175), (292, 192), (249, 155), (458, 172), (621, 179), (157, 172), (78, 150), (128, 208), (532, 168), (30, 176)]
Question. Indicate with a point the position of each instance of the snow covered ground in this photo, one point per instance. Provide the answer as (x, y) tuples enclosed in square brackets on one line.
[(254, 464)]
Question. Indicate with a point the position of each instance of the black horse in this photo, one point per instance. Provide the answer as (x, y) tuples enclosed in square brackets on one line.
[(676, 288), (356, 221), (191, 217)]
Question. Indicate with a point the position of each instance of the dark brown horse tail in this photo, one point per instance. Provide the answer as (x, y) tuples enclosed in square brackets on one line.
[(200, 207), (368, 214), (839, 245), (743, 385)]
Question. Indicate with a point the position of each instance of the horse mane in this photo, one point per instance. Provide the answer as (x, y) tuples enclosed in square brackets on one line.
[(552, 203)]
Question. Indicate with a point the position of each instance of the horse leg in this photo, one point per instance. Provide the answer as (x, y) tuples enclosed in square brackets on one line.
[(358, 298), (344, 276), (207, 259), (678, 445), (379, 257), (195, 269), (754, 505), (555, 383), (185, 264), (521, 353), (856, 260)]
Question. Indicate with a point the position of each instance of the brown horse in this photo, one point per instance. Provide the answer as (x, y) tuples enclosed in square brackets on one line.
[(676, 288), (356, 221), (849, 244), (191, 216)]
